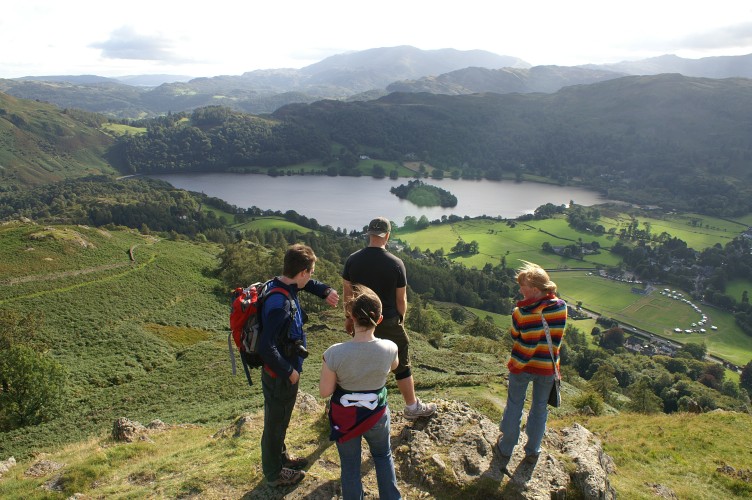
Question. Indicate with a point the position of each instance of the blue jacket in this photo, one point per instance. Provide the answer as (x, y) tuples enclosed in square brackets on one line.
[(279, 323)]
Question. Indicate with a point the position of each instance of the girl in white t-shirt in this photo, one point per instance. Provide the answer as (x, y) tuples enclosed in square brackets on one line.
[(354, 373)]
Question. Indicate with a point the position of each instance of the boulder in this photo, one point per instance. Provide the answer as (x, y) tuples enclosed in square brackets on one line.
[(6, 465), (452, 452)]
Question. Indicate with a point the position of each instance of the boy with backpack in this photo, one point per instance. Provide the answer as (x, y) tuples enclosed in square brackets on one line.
[(282, 346)]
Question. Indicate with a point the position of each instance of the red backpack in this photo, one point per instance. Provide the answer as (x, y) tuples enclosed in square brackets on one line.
[(245, 324)]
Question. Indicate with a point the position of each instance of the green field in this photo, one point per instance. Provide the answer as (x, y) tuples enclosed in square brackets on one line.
[(736, 288), (655, 313), (524, 240), (268, 223), (698, 231), (120, 129)]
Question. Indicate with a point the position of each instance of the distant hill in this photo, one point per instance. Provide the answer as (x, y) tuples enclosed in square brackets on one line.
[(338, 77), (708, 67), (152, 80), (361, 75), (504, 80), (666, 140)]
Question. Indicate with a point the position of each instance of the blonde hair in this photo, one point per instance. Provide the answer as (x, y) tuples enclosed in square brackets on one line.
[(365, 306), (535, 276)]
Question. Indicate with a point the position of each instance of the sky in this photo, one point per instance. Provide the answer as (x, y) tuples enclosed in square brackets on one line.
[(222, 37)]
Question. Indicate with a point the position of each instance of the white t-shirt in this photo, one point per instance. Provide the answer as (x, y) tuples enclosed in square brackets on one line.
[(361, 366)]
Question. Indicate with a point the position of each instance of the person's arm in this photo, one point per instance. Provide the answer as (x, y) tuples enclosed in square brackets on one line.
[(402, 301), (322, 290), (328, 381), (347, 292), (514, 330)]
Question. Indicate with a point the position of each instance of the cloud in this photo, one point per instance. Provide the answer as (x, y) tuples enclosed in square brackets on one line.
[(727, 37), (125, 43)]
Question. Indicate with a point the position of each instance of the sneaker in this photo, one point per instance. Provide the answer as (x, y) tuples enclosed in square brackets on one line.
[(421, 410), (287, 477), (295, 463)]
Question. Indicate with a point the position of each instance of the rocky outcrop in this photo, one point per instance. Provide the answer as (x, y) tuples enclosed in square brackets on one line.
[(450, 455), (6, 465), (42, 468), (452, 452), (129, 431)]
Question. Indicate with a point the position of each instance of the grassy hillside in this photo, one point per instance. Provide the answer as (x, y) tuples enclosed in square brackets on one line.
[(652, 312), (146, 340), (688, 454), (132, 335), (517, 240), (40, 143)]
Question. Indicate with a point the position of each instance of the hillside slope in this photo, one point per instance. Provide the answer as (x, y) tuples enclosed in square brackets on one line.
[(40, 143), (446, 457)]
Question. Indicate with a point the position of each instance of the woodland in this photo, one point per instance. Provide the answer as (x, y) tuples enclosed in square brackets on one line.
[(668, 140)]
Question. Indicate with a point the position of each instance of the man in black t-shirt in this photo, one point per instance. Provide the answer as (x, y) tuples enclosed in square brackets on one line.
[(385, 274)]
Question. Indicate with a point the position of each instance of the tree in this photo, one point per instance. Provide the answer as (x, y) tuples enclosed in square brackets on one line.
[(481, 327), (378, 171), (604, 381), (745, 380), (697, 351), (33, 386), (612, 339), (458, 314), (642, 397)]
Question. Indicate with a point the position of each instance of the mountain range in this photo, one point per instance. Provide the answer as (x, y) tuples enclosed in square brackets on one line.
[(362, 75)]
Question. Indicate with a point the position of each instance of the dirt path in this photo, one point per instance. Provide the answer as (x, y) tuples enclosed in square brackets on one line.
[(62, 274)]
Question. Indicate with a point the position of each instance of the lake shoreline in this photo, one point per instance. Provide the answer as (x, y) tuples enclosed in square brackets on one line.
[(350, 202)]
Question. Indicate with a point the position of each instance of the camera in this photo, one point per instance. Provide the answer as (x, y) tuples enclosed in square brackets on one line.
[(296, 347)]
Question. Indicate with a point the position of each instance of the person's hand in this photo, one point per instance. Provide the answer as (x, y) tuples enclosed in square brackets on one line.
[(294, 376), (333, 298), (350, 326)]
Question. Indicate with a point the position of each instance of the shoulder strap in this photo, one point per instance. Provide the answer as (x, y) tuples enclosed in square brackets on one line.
[(550, 346)]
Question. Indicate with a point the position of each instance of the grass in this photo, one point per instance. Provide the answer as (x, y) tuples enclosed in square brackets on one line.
[(523, 240), (690, 454), (655, 313), (148, 341), (736, 288), (680, 451), (118, 129), (268, 223), (365, 167)]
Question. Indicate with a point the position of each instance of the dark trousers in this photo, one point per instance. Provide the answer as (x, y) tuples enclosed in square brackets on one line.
[(279, 401)]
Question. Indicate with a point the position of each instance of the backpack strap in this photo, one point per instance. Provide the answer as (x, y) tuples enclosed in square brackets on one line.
[(278, 289)]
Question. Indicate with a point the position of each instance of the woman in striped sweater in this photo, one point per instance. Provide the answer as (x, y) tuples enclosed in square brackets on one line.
[(530, 360)]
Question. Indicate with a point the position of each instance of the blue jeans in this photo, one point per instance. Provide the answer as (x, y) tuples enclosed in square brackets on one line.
[(381, 451), (536, 418)]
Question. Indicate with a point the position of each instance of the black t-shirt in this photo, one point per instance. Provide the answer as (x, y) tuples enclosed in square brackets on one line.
[(380, 271)]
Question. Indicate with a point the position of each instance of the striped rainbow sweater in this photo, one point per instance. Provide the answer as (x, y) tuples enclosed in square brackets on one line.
[(530, 350)]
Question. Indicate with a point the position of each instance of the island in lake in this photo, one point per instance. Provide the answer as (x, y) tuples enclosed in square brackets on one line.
[(424, 195)]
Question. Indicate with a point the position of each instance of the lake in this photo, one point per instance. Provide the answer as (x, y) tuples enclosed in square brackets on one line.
[(350, 202)]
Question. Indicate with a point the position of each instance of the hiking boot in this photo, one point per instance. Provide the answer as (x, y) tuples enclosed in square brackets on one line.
[(497, 451), (421, 410), (287, 477), (295, 463), (531, 459)]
